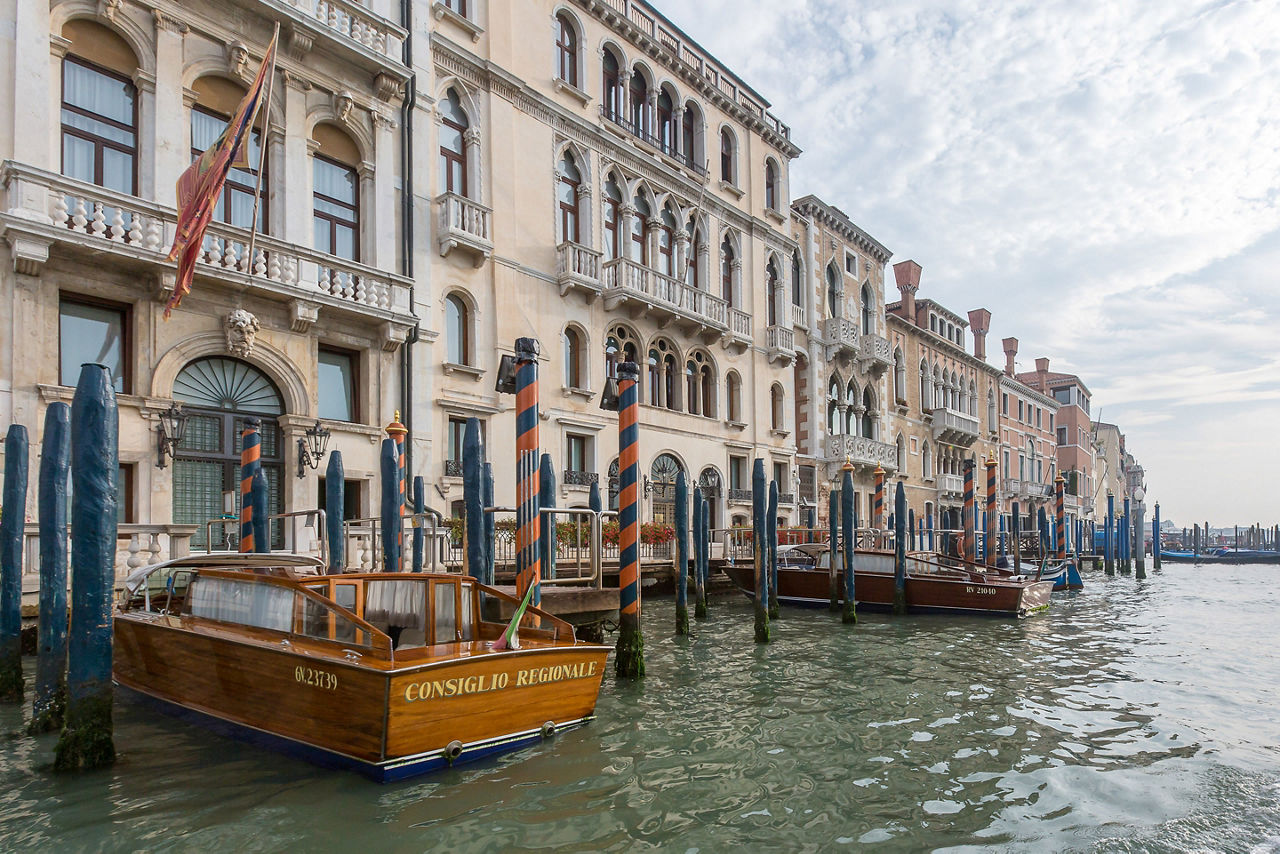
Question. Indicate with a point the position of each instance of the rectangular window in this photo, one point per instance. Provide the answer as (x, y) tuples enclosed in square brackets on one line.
[(577, 453), (1020, 414), (1006, 464), (851, 263), (1062, 435), (780, 475), (457, 431), (91, 331), (350, 498), (1039, 413), (737, 472), (337, 385), (1004, 404), (1062, 395), (124, 495), (336, 213), (99, 121), (235, 205)]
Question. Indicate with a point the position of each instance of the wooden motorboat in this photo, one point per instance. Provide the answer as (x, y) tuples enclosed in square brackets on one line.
[(391, 674), (931, 585), (1221, 556)]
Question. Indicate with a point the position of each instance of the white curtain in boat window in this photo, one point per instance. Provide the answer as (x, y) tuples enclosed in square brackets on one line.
[(400, 603), (248, 603)]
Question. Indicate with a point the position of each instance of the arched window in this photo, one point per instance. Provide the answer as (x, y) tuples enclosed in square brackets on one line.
[(618, 348), (834, 291), (693, 386), (868, 414), (771, 189), (708, 389), (640, 230), (973, 399), (671, 382), (336, 187), (573, 358), (566, 50), (899, 376), (691, 271), (567, 198), (639, 104), (666, 243), (612, 220), (926, 387), (797, 281), (453, 144), (868, 310), (654, 376), (99, 108), (726, 270), (612, 87), (217, 101), (733, 396), (666, 123), (777, 407), (835, 425), (991, 410), (728, 157), (851, 409), (690, 124), (457, 330), (771, 277), (902, 453), (926, 461)]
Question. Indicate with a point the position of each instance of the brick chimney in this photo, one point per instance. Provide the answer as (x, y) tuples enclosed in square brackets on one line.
[(1010, 352), (979, 323), (1042, 365), (907, 274)]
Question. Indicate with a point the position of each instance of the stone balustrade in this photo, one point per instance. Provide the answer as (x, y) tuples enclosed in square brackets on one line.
[(578, 267), (465, 224), (954, 427), (349, 23), (875, 353), (862, 452), (626, 281), (840, 335), (781, 342), (137, 546)]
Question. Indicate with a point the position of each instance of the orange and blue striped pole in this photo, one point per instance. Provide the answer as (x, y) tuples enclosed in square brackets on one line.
[(528, 519), (989, 535), (629, 655), (877, 513), (250, 461), (397, 432), (1060, 488), (970, 508)]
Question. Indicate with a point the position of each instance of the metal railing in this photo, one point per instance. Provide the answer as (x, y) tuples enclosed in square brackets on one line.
[(295, 540)]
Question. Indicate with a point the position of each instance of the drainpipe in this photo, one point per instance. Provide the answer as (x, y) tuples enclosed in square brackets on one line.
[(406, 232)]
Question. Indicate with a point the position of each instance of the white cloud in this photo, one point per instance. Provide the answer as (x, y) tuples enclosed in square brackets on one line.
[(1103, 176)]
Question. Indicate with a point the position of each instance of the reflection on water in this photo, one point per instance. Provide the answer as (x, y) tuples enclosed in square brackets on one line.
[(1135, 716)]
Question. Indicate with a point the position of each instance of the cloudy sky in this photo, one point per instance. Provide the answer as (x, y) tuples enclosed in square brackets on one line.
[(1103, 176)]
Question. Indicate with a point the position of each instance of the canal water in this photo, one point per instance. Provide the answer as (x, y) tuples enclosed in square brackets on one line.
[(1134, 716)]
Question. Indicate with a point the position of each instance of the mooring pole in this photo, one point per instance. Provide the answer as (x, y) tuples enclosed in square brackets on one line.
[(970, 519), (833, 523), (397, 432), (1126, 545), (258, 495), (419, 535), (1139, 549), (86, 740), (547, 500), (389, 467), (911, 527), (849, 524), (528, 519), (771, 546), (1108, 543), (899, 552), (1016, 520), (1155, 538), (1003, 551), (699, 578), (629, 656), (473, 515), (877, 506), (490, 547), (11, 534), (706, 546), (50, 704), (334, 502), (932, 541), (760, 551), (682, 555), (989, 537), (1060, 516), (250, 455)]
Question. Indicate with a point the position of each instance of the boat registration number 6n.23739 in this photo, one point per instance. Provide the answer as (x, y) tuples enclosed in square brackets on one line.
[(318, 678), (981, 591)]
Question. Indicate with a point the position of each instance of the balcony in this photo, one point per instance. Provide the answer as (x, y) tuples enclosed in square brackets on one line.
[(862, 452), (799, 318), (362, 37), (578, 268), (465, 225), (666, 147), (876, 354), (43, 209), (453, 468), (782, 344), (645, 291), (580, 478), (788, 498), (739, 335), (950, 486), (840, 336), (739, 496), (1015, 488), (954, 427)]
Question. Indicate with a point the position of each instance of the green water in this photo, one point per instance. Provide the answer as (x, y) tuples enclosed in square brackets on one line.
[(1134, 716)]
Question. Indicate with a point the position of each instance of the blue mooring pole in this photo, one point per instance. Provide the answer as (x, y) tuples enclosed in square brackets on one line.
[(258, 495), (50, 704), (1126, 538), (490, 549), (473, 515), (547, 500), (932, 542), (11, 534), (849, 524), (682, 555), (419, 535), (771, 544), (389, 467), (706, 546), (86, 740), (1155, 538), (334, 501), (833, 523), (1016, 520), (911, 528), (1108, 540), (900, 551), (759, 548), (699, 572)]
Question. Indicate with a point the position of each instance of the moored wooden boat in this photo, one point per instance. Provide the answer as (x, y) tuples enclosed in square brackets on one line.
[(931, 585), (391, 674)]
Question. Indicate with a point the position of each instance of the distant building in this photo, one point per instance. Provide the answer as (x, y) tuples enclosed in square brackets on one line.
[(1028, 445), (1073, 431), (1108, 468)]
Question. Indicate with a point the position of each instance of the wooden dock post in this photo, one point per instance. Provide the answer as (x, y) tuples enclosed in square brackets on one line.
[(334, 502), (473, 515), (932, 541), (899, 552), (1139, 550), (50, 705), (833, 575), (11, 533), (682, 555), (1108, 538), (911, 528), (706, 547), (699, 571), (970, 511), (989, 528), (1060, 517), (490, 549), (629, 654), (258, 495), (849, 528), (877, 506), (759, 550), (389, 467), (528, 519), (86, 740), (398, 432), (1004, 553), (419, 535), (250, 456), (547, 500), (1016, 534), (1126, 540), (771, 546)]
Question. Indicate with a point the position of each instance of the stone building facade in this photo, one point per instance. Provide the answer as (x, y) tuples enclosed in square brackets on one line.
[(114, 101), (1074, 434), (1027, 456)]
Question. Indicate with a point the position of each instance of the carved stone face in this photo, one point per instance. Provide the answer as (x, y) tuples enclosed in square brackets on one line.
[(242, 329)]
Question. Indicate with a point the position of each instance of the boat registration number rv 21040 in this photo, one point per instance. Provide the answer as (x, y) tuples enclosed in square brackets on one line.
[(981, 591)]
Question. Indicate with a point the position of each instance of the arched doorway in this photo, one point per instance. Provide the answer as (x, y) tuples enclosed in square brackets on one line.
[(662, 480), (218, 393)]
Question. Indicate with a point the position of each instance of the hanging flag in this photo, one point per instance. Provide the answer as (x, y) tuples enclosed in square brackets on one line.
[(511, 637), (200, 186)]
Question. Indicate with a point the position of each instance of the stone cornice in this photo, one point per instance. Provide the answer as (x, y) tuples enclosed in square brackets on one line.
[(942, 344), (836, 220)]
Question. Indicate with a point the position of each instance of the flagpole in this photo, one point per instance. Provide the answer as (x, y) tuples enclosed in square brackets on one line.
[(262, 153)]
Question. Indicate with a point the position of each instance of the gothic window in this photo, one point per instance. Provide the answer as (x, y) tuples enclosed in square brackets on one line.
[(726, 270), (453, 144), (567, 198), (566, 50), (612, 219)]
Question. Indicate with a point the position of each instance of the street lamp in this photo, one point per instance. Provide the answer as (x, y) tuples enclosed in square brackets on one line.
[(173, 426), (311, 447)]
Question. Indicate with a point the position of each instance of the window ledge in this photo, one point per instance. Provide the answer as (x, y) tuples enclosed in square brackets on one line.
[(466, 370), (732, 189), (443, 12), (775, 216), (572, 91), (571, 391), (781, 434), (735, 425)]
